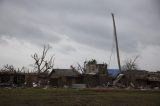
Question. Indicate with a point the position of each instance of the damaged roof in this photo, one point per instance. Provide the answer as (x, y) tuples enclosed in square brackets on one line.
[(63, 72)]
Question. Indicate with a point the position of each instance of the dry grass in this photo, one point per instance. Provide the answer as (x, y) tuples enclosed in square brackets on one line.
[(70, 97)]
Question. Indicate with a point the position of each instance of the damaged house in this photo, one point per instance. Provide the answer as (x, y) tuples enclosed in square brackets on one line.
[(139, 79), (11, 79), (63, 77), (94, 75)]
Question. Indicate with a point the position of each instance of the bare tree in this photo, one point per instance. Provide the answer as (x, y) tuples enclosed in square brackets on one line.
[(41, 63), (130, 64), (22, 69), (8, 68), (80, 67)]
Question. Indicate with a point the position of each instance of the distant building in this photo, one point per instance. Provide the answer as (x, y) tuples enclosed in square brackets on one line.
[(95, 75), (140, 79), (11, 79), (96, 69), (63, 77)]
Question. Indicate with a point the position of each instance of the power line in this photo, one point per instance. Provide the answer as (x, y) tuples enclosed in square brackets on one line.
[(112, 51)]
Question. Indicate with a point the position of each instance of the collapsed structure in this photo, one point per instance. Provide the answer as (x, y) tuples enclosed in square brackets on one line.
[(140, 79), (12, 79), (94, 75)]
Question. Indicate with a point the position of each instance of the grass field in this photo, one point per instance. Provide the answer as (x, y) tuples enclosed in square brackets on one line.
[(70, 97)]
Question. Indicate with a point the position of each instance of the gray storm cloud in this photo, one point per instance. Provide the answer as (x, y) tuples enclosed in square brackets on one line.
[(86, 22)]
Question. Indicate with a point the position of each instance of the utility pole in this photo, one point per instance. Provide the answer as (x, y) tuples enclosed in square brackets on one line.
[(116, 40)]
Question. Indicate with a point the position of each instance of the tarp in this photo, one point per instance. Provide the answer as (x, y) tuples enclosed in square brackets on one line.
[(113, 72)]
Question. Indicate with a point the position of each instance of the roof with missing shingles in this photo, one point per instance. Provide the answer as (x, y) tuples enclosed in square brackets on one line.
[(64, 72)]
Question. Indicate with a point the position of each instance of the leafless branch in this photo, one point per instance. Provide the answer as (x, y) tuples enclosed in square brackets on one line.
[(41, 63), (130, 64)]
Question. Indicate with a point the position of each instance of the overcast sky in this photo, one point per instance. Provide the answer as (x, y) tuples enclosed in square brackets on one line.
[(80, 30)]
